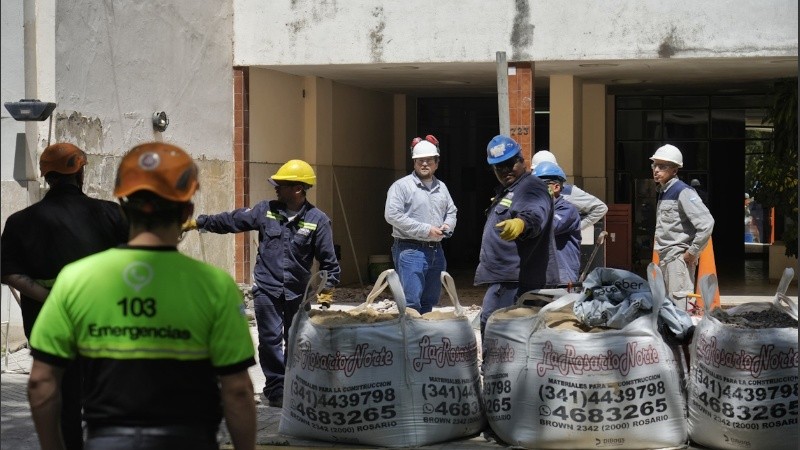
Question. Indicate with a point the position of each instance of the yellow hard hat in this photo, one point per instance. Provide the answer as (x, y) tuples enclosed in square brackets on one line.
[(296, 171)]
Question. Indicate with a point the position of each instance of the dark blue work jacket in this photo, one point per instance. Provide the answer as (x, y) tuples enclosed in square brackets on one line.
[(286, 248), (530, 259)]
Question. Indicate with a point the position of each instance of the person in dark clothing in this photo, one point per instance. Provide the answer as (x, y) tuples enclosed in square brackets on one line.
[(162, 339), (517, 248), (292, 233), (566, 223), (38, 241), (695, 183)]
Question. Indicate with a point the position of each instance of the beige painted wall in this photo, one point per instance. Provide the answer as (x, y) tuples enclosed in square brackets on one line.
[(364, 148), (565, 125), (276, 117), (348, 135), (593, 138)]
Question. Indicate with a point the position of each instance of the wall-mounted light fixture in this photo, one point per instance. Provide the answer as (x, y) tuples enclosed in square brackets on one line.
[(32, 109), (160, 121), (29, 109)]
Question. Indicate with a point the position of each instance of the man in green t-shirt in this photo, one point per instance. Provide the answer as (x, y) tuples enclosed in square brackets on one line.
[(162, 338)]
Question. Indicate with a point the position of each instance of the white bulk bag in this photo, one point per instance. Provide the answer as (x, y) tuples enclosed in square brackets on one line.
[(743, 382), (403, 382), (550, 388)]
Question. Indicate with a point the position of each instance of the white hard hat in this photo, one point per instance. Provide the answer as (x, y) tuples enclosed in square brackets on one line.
[(668, 153), (424, 149), (542, 156), (695, 182)]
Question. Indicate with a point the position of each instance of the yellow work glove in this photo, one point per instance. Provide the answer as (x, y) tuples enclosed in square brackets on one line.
[(510, 229), (325, 298), (190, 224)]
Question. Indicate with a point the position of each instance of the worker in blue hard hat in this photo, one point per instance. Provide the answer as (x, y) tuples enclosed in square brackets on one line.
[(517, 248), (566, 223), (590, 208)]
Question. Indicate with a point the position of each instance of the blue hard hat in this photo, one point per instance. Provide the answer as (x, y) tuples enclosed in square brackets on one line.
[(501, 148), (547, 169)]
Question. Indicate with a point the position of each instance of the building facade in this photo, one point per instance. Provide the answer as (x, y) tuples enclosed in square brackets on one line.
[(345, 85)]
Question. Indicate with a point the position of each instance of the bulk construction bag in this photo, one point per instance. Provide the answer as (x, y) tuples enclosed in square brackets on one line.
[(550, 384), (743, 381), (391, 380)]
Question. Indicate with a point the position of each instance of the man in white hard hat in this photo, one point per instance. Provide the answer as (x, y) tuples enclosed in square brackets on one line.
[(591, 208), (422, 213), (683, 224)]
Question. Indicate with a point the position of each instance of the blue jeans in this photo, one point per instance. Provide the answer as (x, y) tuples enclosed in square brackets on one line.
[(273, 318), (419, 268), (498, 295)]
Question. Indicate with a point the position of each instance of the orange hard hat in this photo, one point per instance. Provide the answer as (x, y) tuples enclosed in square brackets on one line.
[(163, 169), (62, 158)]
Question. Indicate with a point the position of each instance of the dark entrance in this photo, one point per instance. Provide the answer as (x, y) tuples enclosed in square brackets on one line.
[(713, 133), (464, 126)]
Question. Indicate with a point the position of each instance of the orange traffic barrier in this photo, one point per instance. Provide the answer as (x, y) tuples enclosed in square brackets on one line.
[(706, 266)]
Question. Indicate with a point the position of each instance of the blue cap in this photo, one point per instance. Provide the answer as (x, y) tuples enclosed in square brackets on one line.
[(501, 148), (546, 169)]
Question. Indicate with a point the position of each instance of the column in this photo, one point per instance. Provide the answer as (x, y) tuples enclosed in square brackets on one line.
[(521, 105)]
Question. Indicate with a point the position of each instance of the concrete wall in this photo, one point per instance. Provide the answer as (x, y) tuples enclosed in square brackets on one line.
[(15, 165), (109, 66), (362, 31), (118, 63)]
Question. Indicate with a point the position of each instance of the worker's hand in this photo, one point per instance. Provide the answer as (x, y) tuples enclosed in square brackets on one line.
[(190, 224), (325, 298), (435, 233), (446, 231), (690, 259), (510, 229)]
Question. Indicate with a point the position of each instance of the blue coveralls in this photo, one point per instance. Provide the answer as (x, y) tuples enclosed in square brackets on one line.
[(567, 232), (286, 251), (528, 262)]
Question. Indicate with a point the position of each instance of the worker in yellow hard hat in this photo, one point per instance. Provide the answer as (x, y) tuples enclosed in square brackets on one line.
[(292, 232)]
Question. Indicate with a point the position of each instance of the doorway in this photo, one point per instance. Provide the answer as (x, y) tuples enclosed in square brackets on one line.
[(464, 126), (712, 133)]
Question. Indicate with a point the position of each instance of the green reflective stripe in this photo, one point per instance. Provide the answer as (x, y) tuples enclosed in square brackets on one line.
[(142, 352), (308, 225), (505, 202), (272, 215)]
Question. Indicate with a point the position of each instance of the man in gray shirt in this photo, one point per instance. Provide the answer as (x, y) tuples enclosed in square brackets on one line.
[(683, 224), (421, 212)]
